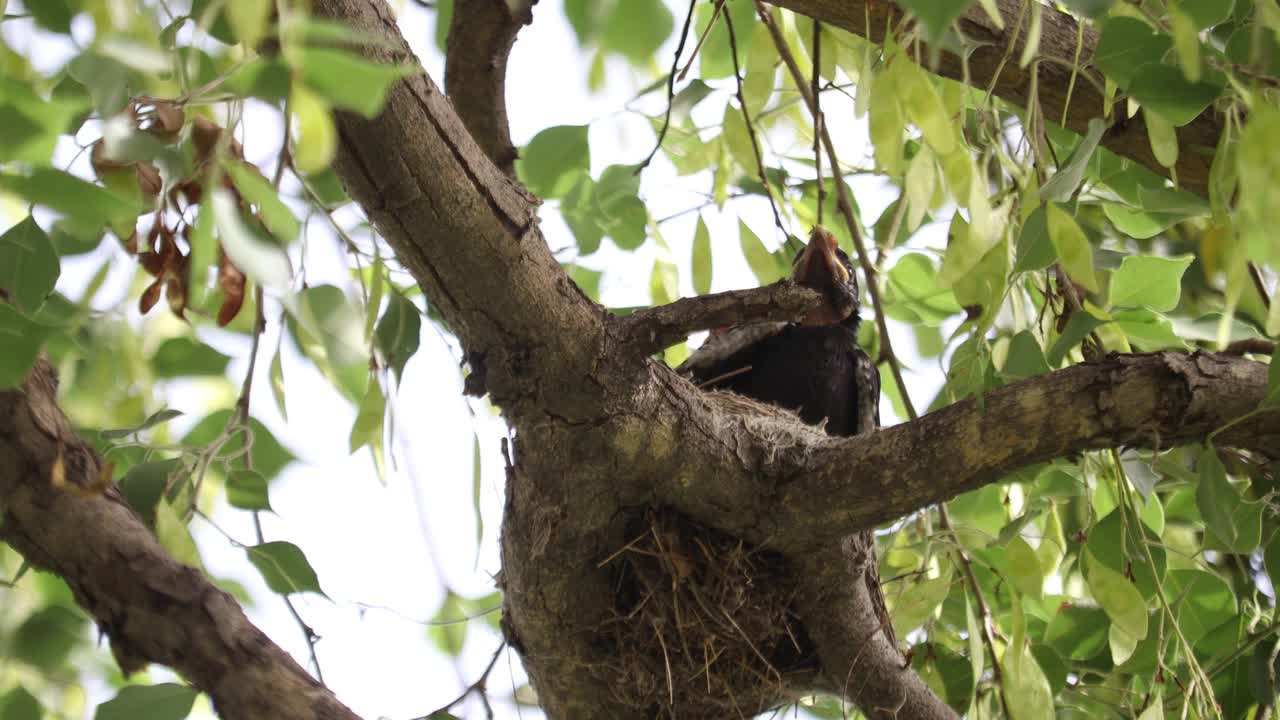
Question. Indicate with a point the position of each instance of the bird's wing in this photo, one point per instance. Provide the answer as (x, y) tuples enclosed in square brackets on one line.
[(720, 346), (866, 398)]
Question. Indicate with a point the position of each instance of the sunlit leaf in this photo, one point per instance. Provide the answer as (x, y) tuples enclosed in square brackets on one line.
[(166, 701), (247, 490), (547, 165), (29, 266), (284, 567), (349, 81)]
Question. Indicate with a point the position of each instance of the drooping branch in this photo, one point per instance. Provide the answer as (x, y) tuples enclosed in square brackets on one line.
[(153, 608), (824, 489), (1058, 43), (475, 72), (651, 330)]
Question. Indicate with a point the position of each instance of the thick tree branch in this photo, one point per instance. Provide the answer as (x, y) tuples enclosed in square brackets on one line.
[(152, 608), (468, 234), (821, 486), (657, 328), (858, 661), (1058, 40), (475, 72)]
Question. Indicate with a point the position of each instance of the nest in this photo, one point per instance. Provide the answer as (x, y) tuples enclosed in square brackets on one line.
[(704, 625)]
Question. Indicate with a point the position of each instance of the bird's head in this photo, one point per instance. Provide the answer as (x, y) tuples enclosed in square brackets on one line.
[(826, 268)]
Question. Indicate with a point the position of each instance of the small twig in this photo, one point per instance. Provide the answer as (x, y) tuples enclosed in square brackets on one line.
[(1256, 346), (1258, 283), (817, 116), (715, 14), (241, 419), (724, 376), (751, 131), (671, 87), (966, 568), (654, 329), (478, 687)]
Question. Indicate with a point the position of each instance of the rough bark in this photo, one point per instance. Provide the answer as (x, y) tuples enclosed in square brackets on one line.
[(602, 433), (1060, 37), (152, 608)]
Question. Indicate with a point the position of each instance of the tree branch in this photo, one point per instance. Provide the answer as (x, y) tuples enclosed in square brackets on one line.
[(152, 608), (1058, 40), (475, 72), (654, 329), (821, 486)]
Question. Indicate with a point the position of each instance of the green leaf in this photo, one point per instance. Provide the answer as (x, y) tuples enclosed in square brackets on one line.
[(267, 79), (1148, 330), (248, 20), (18, 704), (175, 536), (29, 266), (701, 258), (448, 627), (1272, 397), (1163, 89), (1063, 184), (947, 673), (284, 567), (618, 208), (937, 15), (922, 103), (1122, 603), (965, 249), (1114, 541), (547, 165), (269, 457), (21, 339), (349, 81), (316, 137), (154, 419), (1026, 689), (145, 484), (398, 333), (330, 330), (64, 193), (167, 701), (1202, 600), (918, 601), (762, 70), (1234, 524), (275, 214), (1149, 281), (368, 425), (1025, 358), (1126, 45), (277, 384), (761, 261), (886, 123), (1024, 567), (475, 491), (637, 28), (247, 490), (1078, 632), (47, 637), (260, 259), (185, 357), (738, 139), (1074, 251), (1205, 14), (715, 60)]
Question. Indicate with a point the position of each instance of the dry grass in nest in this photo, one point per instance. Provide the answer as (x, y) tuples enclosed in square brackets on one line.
[(704, 625)]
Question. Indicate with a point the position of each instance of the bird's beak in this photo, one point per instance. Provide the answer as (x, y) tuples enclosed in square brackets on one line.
[(818, 258)]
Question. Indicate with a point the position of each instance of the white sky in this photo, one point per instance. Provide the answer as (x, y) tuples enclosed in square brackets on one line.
[(398, 546)]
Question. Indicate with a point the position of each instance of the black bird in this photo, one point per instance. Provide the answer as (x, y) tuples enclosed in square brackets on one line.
[(814, 367)]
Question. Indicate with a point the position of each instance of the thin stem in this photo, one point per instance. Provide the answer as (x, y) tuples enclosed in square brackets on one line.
[(817, 115), (671, 87), (751, 132)]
